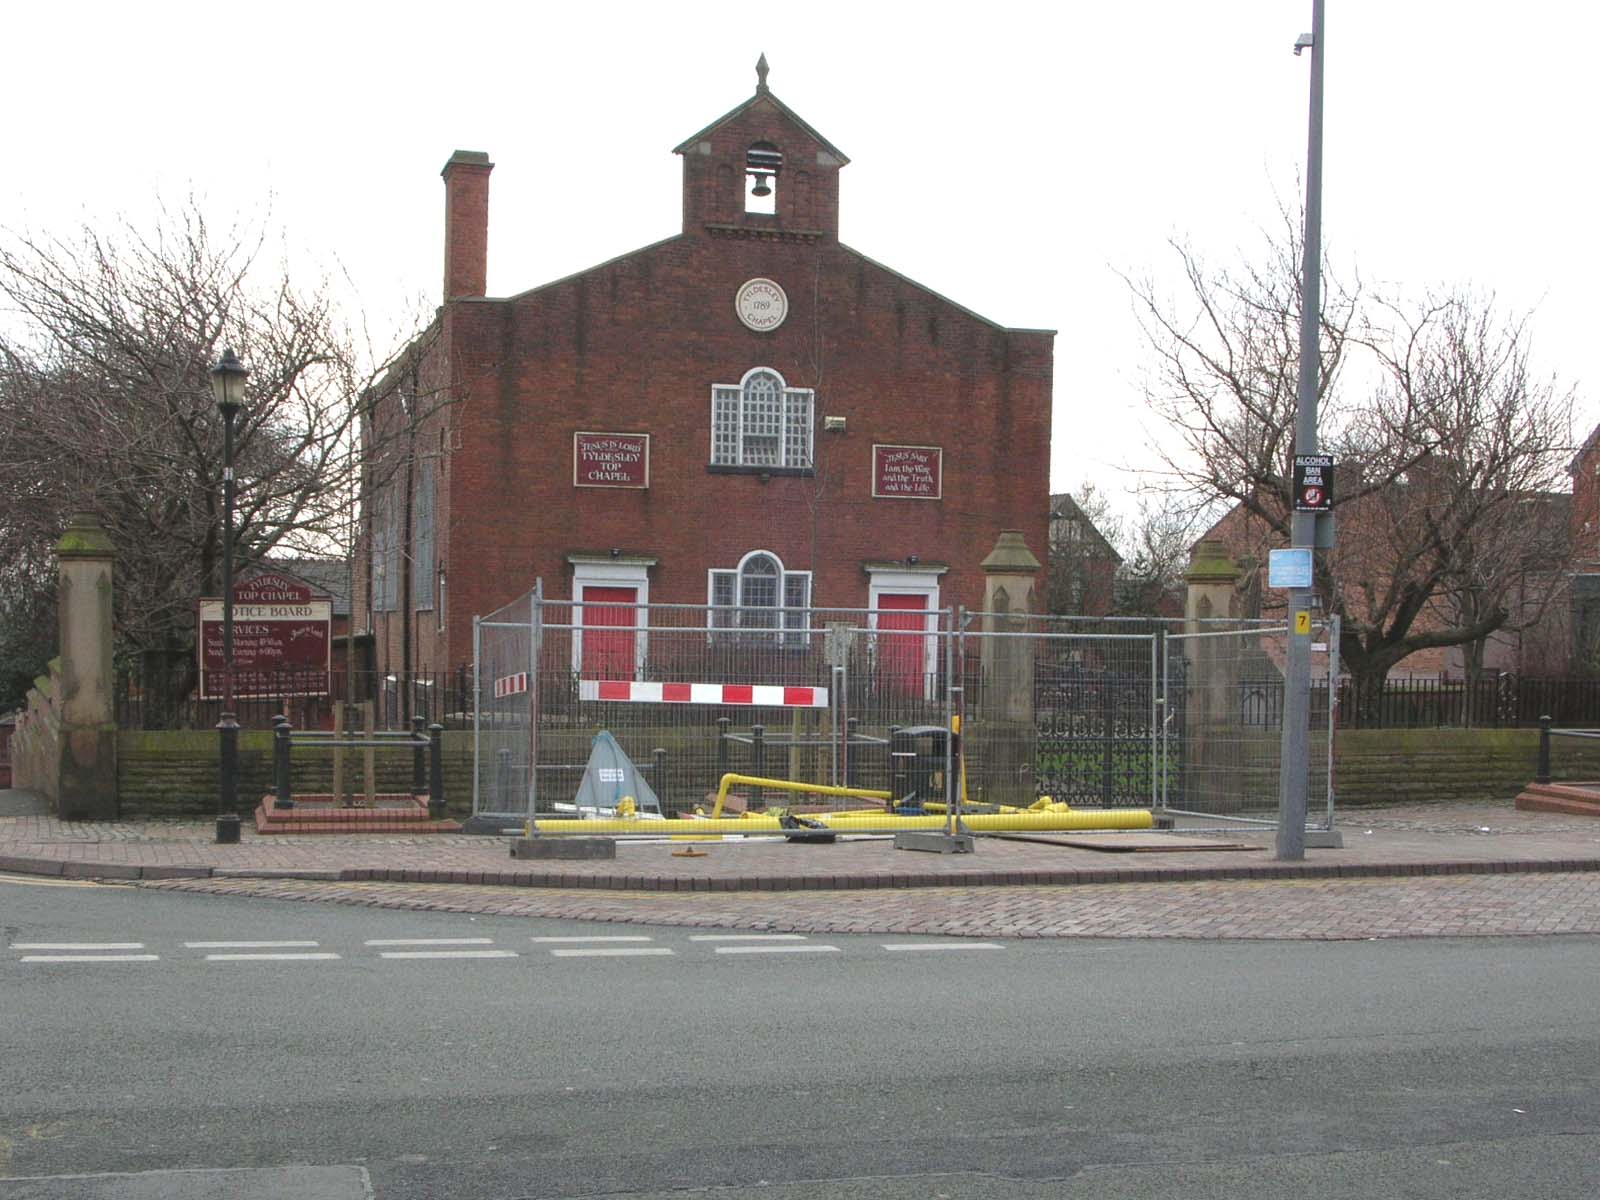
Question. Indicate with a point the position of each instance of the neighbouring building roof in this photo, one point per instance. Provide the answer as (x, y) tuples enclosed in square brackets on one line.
[(328, 575)]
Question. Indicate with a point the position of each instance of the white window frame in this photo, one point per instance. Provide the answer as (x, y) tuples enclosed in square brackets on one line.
[(608, 573), (903, 580), (797, 410), (787, 637)]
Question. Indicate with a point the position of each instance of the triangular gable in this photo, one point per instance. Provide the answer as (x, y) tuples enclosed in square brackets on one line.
[(762, 95)]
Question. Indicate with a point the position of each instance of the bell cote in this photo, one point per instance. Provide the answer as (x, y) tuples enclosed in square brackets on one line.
[(761, 172)]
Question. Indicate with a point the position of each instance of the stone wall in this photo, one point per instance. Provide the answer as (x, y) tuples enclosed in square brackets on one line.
[(36, 740), (1380, 766)]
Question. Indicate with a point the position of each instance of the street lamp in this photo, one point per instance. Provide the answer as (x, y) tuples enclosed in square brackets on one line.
[(227, 386), (1294, 774)]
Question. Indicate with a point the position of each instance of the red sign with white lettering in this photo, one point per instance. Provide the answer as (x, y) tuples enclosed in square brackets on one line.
[(908, 472), (281, 640)]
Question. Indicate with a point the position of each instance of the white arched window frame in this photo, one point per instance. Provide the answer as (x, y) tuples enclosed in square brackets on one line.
[(760, 599), (761, 422)]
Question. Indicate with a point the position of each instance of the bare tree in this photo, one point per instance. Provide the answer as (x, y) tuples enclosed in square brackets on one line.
[(105, 406), (1084, 533), (1156, 555), (1443, 432)]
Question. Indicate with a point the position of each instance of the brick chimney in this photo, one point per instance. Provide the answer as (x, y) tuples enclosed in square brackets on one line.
[(466, 223)]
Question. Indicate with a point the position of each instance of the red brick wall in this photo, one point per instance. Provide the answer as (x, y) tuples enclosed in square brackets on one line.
[(635, 345)]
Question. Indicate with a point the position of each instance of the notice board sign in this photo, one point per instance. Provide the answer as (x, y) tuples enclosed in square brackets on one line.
[(282, 644), (1313, 483), (611, 460), (908, 472)]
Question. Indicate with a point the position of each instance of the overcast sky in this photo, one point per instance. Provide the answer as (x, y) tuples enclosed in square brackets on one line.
[(1014, 157)]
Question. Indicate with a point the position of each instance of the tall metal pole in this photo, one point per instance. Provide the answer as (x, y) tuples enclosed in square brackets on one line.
[(228, 726), (1295, 764)]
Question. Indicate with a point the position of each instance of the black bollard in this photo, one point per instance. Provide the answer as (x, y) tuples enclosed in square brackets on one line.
[(419, 747), (1542, 771), (280, 762), (436, 771), (758, 763)]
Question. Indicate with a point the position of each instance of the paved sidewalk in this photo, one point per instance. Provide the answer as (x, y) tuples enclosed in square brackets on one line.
[(1416, 870)]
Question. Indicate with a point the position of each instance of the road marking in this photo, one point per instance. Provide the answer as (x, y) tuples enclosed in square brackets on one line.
[(791, 949), (48, 881), (448, 954), (611, 938), (246, 945), (609, 951), (429, 942), (77, 945), (292, 957), (81, 958), (943, 946), (747, 937)]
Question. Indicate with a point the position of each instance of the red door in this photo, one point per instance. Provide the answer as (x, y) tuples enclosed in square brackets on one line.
[(608, 632), (902, 643)]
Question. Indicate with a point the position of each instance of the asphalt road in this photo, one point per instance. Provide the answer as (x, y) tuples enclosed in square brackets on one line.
[(785, 1069)]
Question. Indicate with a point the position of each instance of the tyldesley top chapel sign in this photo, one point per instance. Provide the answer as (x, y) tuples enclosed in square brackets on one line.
[(281, 640)]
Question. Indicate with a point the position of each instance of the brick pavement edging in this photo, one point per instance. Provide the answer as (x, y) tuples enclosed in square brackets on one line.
[(756, 882)]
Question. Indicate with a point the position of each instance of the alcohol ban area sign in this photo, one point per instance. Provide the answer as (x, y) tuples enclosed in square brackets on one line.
[(281, 640), (1313, 483)]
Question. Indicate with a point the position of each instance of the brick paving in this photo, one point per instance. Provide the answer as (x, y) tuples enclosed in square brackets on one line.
[(1445, 870)]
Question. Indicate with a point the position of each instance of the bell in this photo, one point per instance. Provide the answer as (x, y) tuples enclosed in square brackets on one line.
[(762, 187)]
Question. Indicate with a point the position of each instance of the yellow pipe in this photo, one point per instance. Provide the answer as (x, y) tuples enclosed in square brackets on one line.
[(787, 785), (1021, 822)]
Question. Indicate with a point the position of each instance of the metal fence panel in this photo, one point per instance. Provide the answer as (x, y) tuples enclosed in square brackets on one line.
[(1223, 728)]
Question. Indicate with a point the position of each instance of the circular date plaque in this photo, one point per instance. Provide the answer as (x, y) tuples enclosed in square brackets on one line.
[(761, 305)]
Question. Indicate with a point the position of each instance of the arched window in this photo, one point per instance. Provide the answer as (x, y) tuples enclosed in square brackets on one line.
[(760, 596), (760, 422)]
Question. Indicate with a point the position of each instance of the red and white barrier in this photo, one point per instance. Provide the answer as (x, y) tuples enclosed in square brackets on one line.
[(510, 685), (758, 695)]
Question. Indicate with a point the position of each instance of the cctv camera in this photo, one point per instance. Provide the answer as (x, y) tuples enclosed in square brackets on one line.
[(1302, 42)]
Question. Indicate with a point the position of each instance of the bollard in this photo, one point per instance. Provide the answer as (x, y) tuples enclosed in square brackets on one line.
[(758, 762), (1542, 771), (436, 771), (658, 778), (502, 780), (419, 746), (280, 762)]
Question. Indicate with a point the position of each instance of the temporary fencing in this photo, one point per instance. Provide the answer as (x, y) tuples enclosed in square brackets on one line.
[(1096, 714)]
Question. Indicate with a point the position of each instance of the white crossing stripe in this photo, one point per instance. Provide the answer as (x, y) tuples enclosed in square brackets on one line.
[(77, 945), (789, 949), (943, 946), (611, 938), (429, 942), (81, 958), (747, 937), (448, 954), (608, 951), (246, 945), (272, 957)]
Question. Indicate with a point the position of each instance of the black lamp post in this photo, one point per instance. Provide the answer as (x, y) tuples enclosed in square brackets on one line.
[(227, 385)]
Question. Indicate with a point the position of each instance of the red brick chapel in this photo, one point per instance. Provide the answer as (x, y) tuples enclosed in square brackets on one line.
[(745, 413)]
